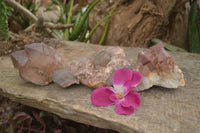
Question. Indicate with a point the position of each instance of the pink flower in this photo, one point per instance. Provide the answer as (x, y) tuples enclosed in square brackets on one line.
[(124, 81)]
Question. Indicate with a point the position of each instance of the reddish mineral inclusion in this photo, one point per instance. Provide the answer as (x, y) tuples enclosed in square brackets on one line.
[(98, 70), (158, 68)]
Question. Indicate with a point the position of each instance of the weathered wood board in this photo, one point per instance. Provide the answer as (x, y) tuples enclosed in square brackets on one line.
[(162, 110)]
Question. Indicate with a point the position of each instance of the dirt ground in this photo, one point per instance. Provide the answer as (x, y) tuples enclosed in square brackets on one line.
[(17, 41)]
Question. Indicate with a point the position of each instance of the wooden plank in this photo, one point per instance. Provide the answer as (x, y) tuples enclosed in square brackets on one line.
[(162, 110)]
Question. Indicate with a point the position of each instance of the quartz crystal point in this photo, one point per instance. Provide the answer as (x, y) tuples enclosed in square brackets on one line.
[(64, 78), (36, 63), (19, 58), (158, 68), (98, 70)]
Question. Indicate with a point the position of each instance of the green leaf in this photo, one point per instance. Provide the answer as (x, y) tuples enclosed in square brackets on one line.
[(62, 14), (58, 34), (69, 19), (103, 37), (85, 29), (193, 29), (97, 25), (4, 33), (78, 28)]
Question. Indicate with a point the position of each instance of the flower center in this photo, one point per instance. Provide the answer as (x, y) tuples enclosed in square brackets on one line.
[(120, 95), (118, 89)]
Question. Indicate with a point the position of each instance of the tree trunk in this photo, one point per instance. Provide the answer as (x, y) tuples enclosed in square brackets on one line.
[(139, 21)]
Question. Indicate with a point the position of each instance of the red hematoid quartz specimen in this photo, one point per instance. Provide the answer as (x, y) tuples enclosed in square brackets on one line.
[(158, 68), (98, 70), (40, 64), (37, 63)]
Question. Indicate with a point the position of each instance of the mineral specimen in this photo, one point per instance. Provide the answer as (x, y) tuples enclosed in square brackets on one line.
[(158, 68), (37, 63), (98, 70), (64, 78), (19, 58)]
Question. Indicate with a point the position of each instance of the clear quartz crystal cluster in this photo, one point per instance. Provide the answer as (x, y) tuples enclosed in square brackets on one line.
[(36, 63), (40, 64)]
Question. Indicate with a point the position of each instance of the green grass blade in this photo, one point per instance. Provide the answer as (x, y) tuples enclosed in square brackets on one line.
[(69, 19), (77, 19), (78, 28), (85, 29), (193, 29), (58, 34), (62, 14), (106, 27), (97, 25)]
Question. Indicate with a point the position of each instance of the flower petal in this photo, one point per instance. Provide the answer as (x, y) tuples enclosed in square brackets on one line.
[(113, 97), (121, 76), (120, 109), (131, 84), (136, 78), (128, 86), (131, 99), (101, 96)]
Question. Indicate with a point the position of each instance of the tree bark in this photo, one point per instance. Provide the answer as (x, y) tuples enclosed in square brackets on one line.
[(139, 21)]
